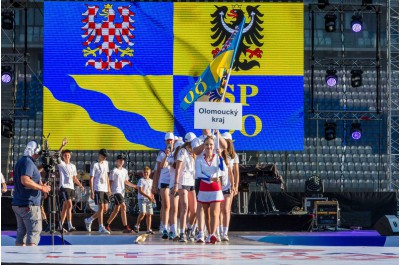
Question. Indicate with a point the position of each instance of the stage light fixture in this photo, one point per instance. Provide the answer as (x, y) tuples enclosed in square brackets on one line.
[(323, 3), (6, 74), (314, 185), (330, 22), (7, 127), (356, 131), (356, 23), (366, 2), (7, 20), (331, 78), (356, 77), (330, 131)]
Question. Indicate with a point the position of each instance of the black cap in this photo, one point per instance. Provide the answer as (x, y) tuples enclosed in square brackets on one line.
[(121, 157), (103, 152)]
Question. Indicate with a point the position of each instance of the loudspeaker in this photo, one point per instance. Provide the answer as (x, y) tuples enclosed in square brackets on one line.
[(387, 225)]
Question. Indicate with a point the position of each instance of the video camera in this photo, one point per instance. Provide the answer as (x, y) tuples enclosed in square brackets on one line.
[(50, 159)]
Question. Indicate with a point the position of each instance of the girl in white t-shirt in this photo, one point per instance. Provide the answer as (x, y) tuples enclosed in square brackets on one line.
[(173, 196), (161, 181), (231, 188), (184, 185)]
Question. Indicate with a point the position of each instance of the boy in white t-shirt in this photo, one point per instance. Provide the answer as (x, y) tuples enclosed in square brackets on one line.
[(146, 200), (118, 179), (67, 172), (99, 190)]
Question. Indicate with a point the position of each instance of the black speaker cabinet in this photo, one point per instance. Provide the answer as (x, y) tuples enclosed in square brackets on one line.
[(387, 225)]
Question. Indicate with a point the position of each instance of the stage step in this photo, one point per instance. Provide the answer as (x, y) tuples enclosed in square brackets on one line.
[(329, 238)]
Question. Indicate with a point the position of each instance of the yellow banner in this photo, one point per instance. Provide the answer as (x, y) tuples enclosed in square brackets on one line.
[(148, 96), (279, 31)]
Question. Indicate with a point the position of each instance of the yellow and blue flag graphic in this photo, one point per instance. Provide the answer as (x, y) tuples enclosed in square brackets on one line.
[(116, 74), (211, 78)]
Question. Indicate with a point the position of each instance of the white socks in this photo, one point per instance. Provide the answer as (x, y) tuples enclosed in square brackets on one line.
[(173, 229)]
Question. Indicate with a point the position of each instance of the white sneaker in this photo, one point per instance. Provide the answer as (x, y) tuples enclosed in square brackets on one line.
[(200, 238), (225, 238), (71, 229), (103, 230), (218, 238), (208, 239), (88, 224)]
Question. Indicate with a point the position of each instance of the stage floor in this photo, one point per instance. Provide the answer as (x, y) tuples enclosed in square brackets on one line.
[(243, 248)]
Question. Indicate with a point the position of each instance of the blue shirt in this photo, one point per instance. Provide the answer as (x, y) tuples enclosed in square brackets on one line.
[(24, 196)]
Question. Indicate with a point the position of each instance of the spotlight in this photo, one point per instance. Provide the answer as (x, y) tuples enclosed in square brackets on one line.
[(330, 131), (7, 20), (323, 3), (6, 74), (314, 184), (356, 23), (331, 77), (7, 127), (356, 131), (366, 2), (356, 78), (330, 22)]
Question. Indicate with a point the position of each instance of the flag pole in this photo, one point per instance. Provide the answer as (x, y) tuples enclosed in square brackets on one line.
[(233, 59), (240, 29)]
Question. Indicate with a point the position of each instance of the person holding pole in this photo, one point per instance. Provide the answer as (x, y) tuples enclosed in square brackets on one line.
[(210, 167)]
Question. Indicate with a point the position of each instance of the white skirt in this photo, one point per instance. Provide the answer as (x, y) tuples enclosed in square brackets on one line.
[(210, 192)]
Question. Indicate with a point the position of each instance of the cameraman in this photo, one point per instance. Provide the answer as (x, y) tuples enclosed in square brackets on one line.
[(28, 190)]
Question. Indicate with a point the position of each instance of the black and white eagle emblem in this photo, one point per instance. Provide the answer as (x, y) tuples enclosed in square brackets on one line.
[(251, 34)]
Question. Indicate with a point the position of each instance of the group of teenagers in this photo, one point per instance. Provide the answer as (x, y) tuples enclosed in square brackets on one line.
[(196, 179)]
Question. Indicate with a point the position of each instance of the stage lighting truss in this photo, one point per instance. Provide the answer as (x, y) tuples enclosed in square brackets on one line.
[(356, 23), (7, 20), (331, 78), (356, 131), (330, 131), (356, 77), (6, 74), (330, 22)]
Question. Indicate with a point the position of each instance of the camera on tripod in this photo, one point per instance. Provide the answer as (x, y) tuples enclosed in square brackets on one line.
[(50, 160)]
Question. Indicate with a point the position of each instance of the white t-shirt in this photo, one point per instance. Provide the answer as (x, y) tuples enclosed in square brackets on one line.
[(118, 178), (146, 185), (99, 172), (67, 173), (164, 172), (235, 160), (3, 180), (187, 173), (227, 180), (203, 168)]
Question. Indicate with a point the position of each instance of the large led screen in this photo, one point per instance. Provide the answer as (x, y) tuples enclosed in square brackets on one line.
[(115, 73)]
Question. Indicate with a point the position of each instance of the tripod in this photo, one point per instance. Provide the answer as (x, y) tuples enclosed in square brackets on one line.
[(53, 207), (269, 198)]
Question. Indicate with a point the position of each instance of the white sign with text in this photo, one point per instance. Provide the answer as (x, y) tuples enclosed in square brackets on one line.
[(217, 115)]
